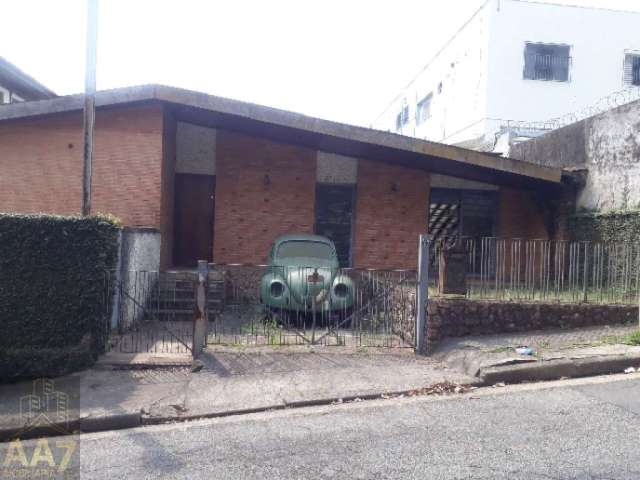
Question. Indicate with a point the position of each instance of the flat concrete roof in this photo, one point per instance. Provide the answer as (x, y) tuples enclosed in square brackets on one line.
[(297, 128)]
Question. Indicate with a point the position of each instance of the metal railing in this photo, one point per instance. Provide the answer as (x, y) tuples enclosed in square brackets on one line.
[(315, 306), (550, 270)]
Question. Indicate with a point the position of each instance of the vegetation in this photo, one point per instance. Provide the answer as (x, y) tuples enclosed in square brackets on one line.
[(611, 226), (52, 292)]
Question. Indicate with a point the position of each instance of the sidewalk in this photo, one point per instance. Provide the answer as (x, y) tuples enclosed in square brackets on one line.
[(555, 354), (234, 380)]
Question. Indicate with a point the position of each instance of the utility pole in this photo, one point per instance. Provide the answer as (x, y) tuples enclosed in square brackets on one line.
[(89, 103)]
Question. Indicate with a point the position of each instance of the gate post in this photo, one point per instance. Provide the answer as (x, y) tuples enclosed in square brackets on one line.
[(200, 324), (422, 294)]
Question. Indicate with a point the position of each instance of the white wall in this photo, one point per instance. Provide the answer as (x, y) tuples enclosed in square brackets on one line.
[(598, 39), (461, 68), (485, 89)]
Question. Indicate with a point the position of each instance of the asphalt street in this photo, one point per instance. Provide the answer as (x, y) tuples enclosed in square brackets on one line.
[(573, 429)]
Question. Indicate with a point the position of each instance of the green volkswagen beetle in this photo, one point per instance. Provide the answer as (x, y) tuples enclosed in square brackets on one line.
[(303, 276)]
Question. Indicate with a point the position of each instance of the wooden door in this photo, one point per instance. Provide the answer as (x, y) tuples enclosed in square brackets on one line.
[(193, 219)]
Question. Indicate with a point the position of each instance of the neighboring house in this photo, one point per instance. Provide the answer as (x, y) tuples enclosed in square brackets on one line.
[(514, 63), (221, 179), (605, 147), (17, 86)]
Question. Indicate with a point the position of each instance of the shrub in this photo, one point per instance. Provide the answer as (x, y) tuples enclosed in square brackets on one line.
[(614, 226), (52, 291)]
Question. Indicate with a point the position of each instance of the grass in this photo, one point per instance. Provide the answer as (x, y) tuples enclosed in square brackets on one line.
[(595, 296), (631, 338)]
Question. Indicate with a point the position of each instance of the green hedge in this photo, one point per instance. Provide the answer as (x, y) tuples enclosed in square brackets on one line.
[(52, 290), (615, 226)]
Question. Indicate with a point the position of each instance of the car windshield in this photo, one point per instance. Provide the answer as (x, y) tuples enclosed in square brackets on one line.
[(304, 249)]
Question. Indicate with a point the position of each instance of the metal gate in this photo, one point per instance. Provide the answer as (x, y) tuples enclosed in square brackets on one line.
[(151, 311), (381, 311), (154, 312)]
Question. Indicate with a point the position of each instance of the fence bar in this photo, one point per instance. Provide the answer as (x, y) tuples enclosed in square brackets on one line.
[(552, 270), (422, 294)]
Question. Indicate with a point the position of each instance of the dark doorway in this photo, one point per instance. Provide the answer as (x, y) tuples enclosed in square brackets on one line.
[(462, 213), (334, 217), (193, 219)]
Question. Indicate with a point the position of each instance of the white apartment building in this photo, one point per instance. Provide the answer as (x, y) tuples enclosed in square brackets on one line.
[(517, 61), (17, 86)]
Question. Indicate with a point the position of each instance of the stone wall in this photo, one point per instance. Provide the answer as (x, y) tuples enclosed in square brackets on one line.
[(459, 317)]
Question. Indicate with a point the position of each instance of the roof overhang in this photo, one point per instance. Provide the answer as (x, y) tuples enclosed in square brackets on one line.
[(300, 129)]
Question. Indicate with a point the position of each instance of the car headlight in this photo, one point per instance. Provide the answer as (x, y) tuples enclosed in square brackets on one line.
[(277, 289), (340, 290)]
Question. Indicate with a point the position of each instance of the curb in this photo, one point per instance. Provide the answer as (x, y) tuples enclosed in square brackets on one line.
[(288, 405), (555, 369), (83, 425), (133, 420)]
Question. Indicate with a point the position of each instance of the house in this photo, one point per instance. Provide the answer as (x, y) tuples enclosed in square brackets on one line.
[(513, 67), (17, 86), (220, 179)]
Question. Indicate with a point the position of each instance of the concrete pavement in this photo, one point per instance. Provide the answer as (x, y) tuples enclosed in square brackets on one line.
[(554, 354), (576, 429), (232, 380)]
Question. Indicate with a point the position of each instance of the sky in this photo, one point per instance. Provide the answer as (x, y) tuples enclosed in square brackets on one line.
[(342, 60)]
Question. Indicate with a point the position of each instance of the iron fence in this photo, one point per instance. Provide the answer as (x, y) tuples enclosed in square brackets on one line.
[(550, 270), (314, 306), (148, 311)]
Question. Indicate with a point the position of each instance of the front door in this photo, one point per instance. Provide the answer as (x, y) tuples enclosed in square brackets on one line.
[(193, 219)]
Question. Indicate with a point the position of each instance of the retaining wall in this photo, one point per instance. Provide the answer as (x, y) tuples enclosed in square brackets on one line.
[(459, 317)]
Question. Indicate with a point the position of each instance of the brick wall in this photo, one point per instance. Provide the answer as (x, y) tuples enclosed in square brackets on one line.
[(519, 216), (388, 222), (41, 164), (249, 215), (127, 164)]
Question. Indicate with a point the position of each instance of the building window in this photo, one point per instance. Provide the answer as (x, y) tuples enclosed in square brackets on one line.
[(632, 69), (546, 62), (467, 215), (403, 117), (423, 109), (334, 217), (455, 213), (1, 97)]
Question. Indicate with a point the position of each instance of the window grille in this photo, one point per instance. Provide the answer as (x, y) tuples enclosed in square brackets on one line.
[(546, 62), (632, 69)]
